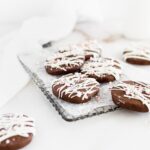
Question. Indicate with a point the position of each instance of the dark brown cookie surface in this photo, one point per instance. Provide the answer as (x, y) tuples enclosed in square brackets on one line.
[(91, 48), (75, 88), (16, 131), (132, 95), (139, 55), (102, 69), (65, 61)]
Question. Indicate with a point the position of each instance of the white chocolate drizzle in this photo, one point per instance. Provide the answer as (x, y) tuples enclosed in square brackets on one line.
[(138, 90), (76, 85), (65, 58), (13, 125), (91, 47), (138, 52), (101, 67)]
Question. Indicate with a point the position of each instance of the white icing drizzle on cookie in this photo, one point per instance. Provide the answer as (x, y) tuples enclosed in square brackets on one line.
[(76, 85), (101, 67), (65, 58), (91, 47), (13, 125), (138, 52), (138, 90)]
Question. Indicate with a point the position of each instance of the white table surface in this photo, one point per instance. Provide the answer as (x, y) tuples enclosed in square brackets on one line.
[(112, 131), (119, 130)]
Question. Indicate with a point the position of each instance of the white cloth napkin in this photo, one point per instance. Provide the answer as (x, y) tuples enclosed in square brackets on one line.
[(29, 37)]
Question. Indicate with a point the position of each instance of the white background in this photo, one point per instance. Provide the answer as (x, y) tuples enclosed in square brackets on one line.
[(14, 12), (131, 15)]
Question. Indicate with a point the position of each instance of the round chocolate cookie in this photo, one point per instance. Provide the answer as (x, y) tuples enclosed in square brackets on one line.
[(139, 55), (65, 61), (102, 69), (132, 95), (91, 48), (16, 131), (75, 88)]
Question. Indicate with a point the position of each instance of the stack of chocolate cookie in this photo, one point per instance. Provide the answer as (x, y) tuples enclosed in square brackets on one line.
[(84, 69)]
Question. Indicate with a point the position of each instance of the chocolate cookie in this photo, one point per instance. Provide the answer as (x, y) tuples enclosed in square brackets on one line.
[(139, 55), (91, 48), (75, 88), (65, 61), (132, 95), (16, 131), (102, 69)]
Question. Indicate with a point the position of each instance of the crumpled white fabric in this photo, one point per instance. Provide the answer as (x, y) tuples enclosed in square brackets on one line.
[(33, 33)]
